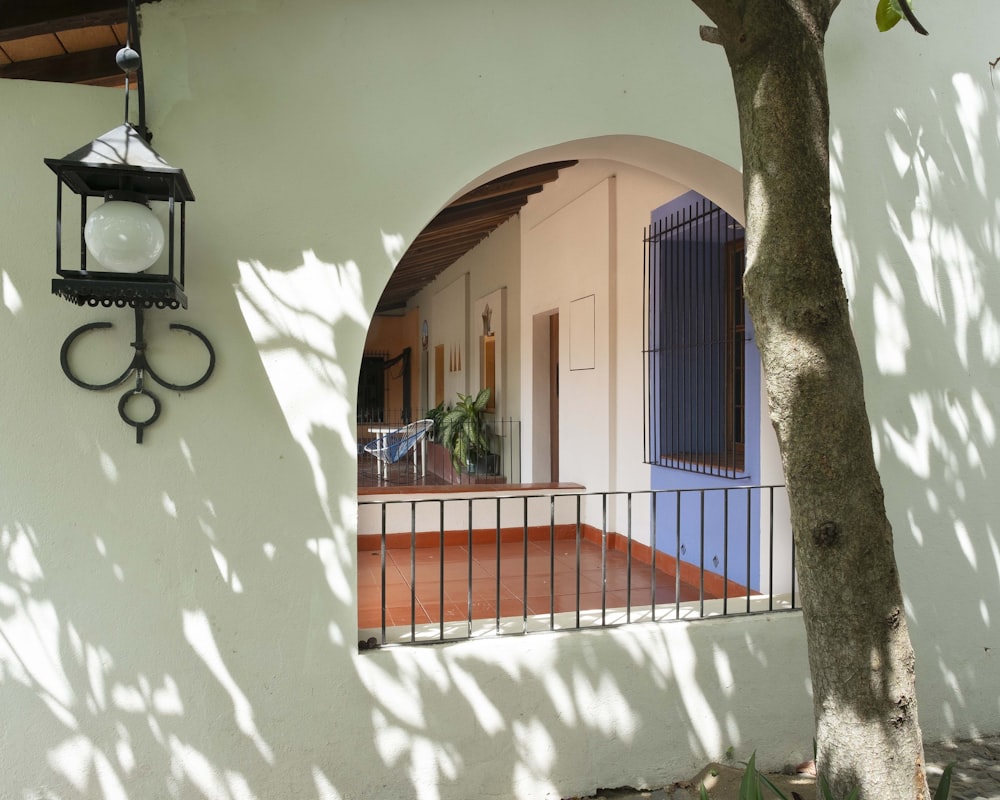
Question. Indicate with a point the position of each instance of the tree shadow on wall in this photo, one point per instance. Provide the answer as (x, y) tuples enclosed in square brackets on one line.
[(207, 647), (925, 294)]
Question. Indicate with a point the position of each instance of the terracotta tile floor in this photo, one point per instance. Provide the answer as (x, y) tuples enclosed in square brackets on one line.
[(550, 585)]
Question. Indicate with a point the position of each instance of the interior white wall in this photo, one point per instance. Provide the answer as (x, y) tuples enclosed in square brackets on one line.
[(491, 266), (567, 256), (178, 618), (584, 235)]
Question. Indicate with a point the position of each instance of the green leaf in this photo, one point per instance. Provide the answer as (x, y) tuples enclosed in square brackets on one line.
[(750, 786), (887, 14), (944, 787), (703, 793), (772, 787), (825, 787)]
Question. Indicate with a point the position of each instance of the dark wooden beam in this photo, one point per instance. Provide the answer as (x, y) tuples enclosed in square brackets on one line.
[(507, 204), (83, 67), (22, 18), (460, 227), (463, 228), (516, 181)]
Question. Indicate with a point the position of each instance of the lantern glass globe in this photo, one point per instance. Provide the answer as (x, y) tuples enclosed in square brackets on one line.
[(124, 236)]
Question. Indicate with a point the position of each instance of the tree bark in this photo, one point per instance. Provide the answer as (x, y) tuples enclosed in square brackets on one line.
[(860, 657)]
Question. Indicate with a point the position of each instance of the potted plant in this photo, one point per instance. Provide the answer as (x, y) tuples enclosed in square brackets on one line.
[(466, 433), (436, 415)]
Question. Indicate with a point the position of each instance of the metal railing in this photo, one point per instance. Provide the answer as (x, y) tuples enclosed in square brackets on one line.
[(434, 570), (432, 463)]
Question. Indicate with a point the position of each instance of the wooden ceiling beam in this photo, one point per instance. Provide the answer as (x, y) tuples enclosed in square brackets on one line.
[(516, 181), (23, 18), (464, 227), (86, 66), (479, 208), (460, 227)]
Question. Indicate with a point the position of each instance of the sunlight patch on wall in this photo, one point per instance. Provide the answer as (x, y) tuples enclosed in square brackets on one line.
[(994, 549), (488, 716), (198, 633), (108, 466), (942, 250), (603, 707), (11, 297), (394, 245), (892, 339), (705, 734), (230, 577), (292, 316), (324, 789), (397, 692), (724, 670), (76, 759), (168, 505), (537, 753), (965, 542), (971, 110), (913, 447), (429, 759), (209, 780)]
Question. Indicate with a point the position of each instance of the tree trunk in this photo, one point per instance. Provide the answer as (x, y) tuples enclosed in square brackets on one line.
[(860, 657)]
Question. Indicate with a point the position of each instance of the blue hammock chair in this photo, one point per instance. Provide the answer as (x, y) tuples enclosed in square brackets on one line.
[(396, 444)]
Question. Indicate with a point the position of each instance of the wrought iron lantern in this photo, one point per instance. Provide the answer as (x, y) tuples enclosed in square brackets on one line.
[(127, 259), (122, 239)]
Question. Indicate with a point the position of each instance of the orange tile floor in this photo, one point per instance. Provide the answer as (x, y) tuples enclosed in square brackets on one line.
[(550, 585)]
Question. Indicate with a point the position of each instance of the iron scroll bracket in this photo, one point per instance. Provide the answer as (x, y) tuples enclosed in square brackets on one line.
[(140, 366)]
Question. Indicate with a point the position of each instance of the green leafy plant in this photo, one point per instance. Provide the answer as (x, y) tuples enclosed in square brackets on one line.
[(436, 415), (465, 431)]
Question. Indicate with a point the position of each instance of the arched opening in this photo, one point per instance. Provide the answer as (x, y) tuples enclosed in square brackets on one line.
[(455, 304), (551, 312)]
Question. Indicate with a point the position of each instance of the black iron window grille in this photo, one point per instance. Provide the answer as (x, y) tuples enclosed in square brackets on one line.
[(695, 341)]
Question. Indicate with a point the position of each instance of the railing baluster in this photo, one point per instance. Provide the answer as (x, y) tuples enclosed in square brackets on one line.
[(383, 554), (413, 571), (749, 543), (604, 559), (469, 622), (628, 558), (524, 571), (770, 549), (677, 563), (552, 562), (701, 561), (441, 574), (579, 547), (725, 552), (652, 565), (498, 566)]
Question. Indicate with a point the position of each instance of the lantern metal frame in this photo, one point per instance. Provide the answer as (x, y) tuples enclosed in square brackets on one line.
[(122, 163)]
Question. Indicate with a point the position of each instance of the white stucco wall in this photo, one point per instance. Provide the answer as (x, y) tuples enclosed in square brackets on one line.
[(178, 618)]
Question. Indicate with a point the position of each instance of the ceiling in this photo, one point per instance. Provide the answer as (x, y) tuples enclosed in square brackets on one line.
[(75, 41), (65, 41), (460, 227)]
